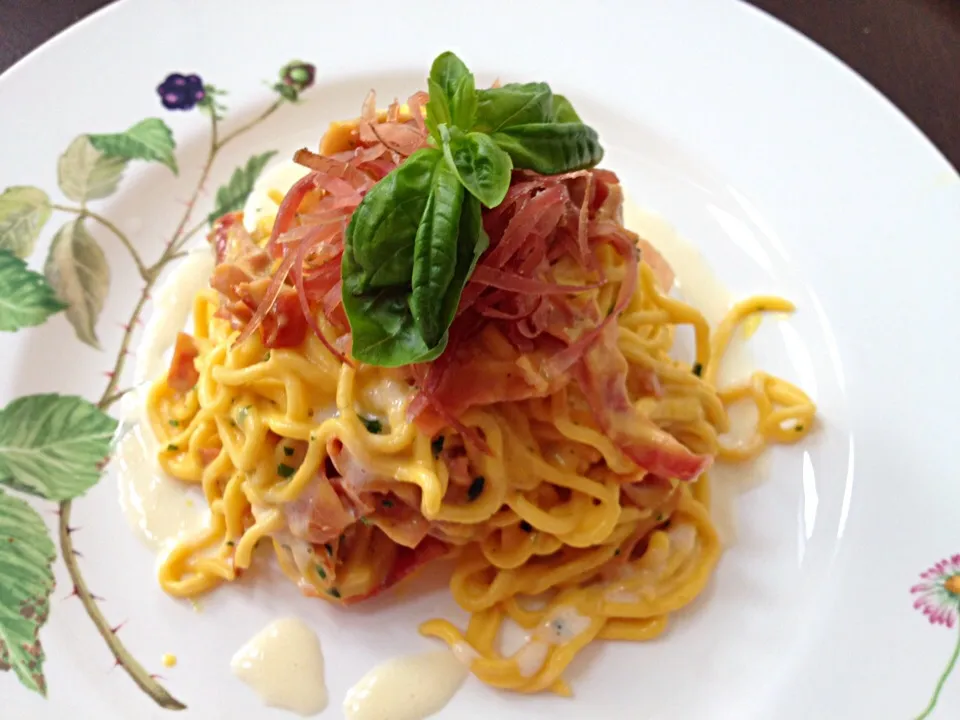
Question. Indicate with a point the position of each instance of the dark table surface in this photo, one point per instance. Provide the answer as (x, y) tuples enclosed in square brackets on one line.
[(908, 49)]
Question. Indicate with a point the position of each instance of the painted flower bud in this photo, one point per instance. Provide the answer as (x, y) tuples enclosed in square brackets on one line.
[(298, 75)]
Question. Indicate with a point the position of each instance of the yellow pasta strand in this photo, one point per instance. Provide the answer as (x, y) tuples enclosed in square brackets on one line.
[(545, 542)]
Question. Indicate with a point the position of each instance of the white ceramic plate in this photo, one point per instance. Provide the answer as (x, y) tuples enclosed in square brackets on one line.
[(787, 171)]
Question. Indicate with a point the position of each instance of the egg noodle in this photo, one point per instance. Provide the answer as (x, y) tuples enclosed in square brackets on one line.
[(544, 541), (556, 450)]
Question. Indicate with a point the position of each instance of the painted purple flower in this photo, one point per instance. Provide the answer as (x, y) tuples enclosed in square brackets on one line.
[(181, 92), (939, 592)]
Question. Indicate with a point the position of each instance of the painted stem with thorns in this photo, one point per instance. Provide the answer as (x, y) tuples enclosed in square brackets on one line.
[(146, 681)]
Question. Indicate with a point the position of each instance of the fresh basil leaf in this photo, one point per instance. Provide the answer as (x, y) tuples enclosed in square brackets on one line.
[(482, 167), (453, 95), (513, 104), (438, 110), (435, 254), (382, 326), (472, 242), (382, 232), (448, 71), (563, 111), (551, 148), (463, 104)]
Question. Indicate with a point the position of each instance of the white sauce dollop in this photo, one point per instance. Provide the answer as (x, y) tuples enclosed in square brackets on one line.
[(160, 509), (406, 688), (283, 663)]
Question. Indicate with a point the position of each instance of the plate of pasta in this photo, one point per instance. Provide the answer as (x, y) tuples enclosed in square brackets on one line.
[(462, 376)]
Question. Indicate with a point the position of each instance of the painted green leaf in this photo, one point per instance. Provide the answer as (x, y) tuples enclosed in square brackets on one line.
[(23, 212), (233, 196), (25, 297), (149, 139), (26, 582), (77, 270), (84, 173), (52, 446)]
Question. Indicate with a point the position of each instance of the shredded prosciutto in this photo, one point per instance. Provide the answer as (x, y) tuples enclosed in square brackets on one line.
[(539, 285), (407, 562), (223, 234), (319, 514), (208, 455), (288, 210), (183, 374), (484, 275), (602, 377)]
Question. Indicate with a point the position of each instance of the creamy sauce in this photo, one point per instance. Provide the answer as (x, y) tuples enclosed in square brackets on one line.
[(643, 579), (160, 509), (279, 177), (464, 653), (386, 395), (561, 626), (699, 286), (326, 413), (283, 663), (531, 657), (172, 305), (406, 688)]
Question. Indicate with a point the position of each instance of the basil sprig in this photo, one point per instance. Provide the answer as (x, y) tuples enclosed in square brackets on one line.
[(417, 235)]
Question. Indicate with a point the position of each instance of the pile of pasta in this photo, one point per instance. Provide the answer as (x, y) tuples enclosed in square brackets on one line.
[(572, 498)]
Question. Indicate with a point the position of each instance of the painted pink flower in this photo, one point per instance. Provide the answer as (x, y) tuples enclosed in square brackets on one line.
[(938, 595), (939, 592)]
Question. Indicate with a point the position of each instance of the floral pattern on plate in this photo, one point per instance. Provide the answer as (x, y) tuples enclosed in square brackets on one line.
[(55, 447)]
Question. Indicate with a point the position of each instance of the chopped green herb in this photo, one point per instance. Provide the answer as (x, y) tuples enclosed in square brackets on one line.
[(321, 572), (174, 423), (230, 543), (798, 428), (374, 426), (364, 520), (172, 448), (242, 414), (284, 470), (476, 488), (660, 517), (387, 503), (697, 369), (616, 552), (526, 527), (288, 451), (437, 446), (329, 548), (267, 356), (334, 592)]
